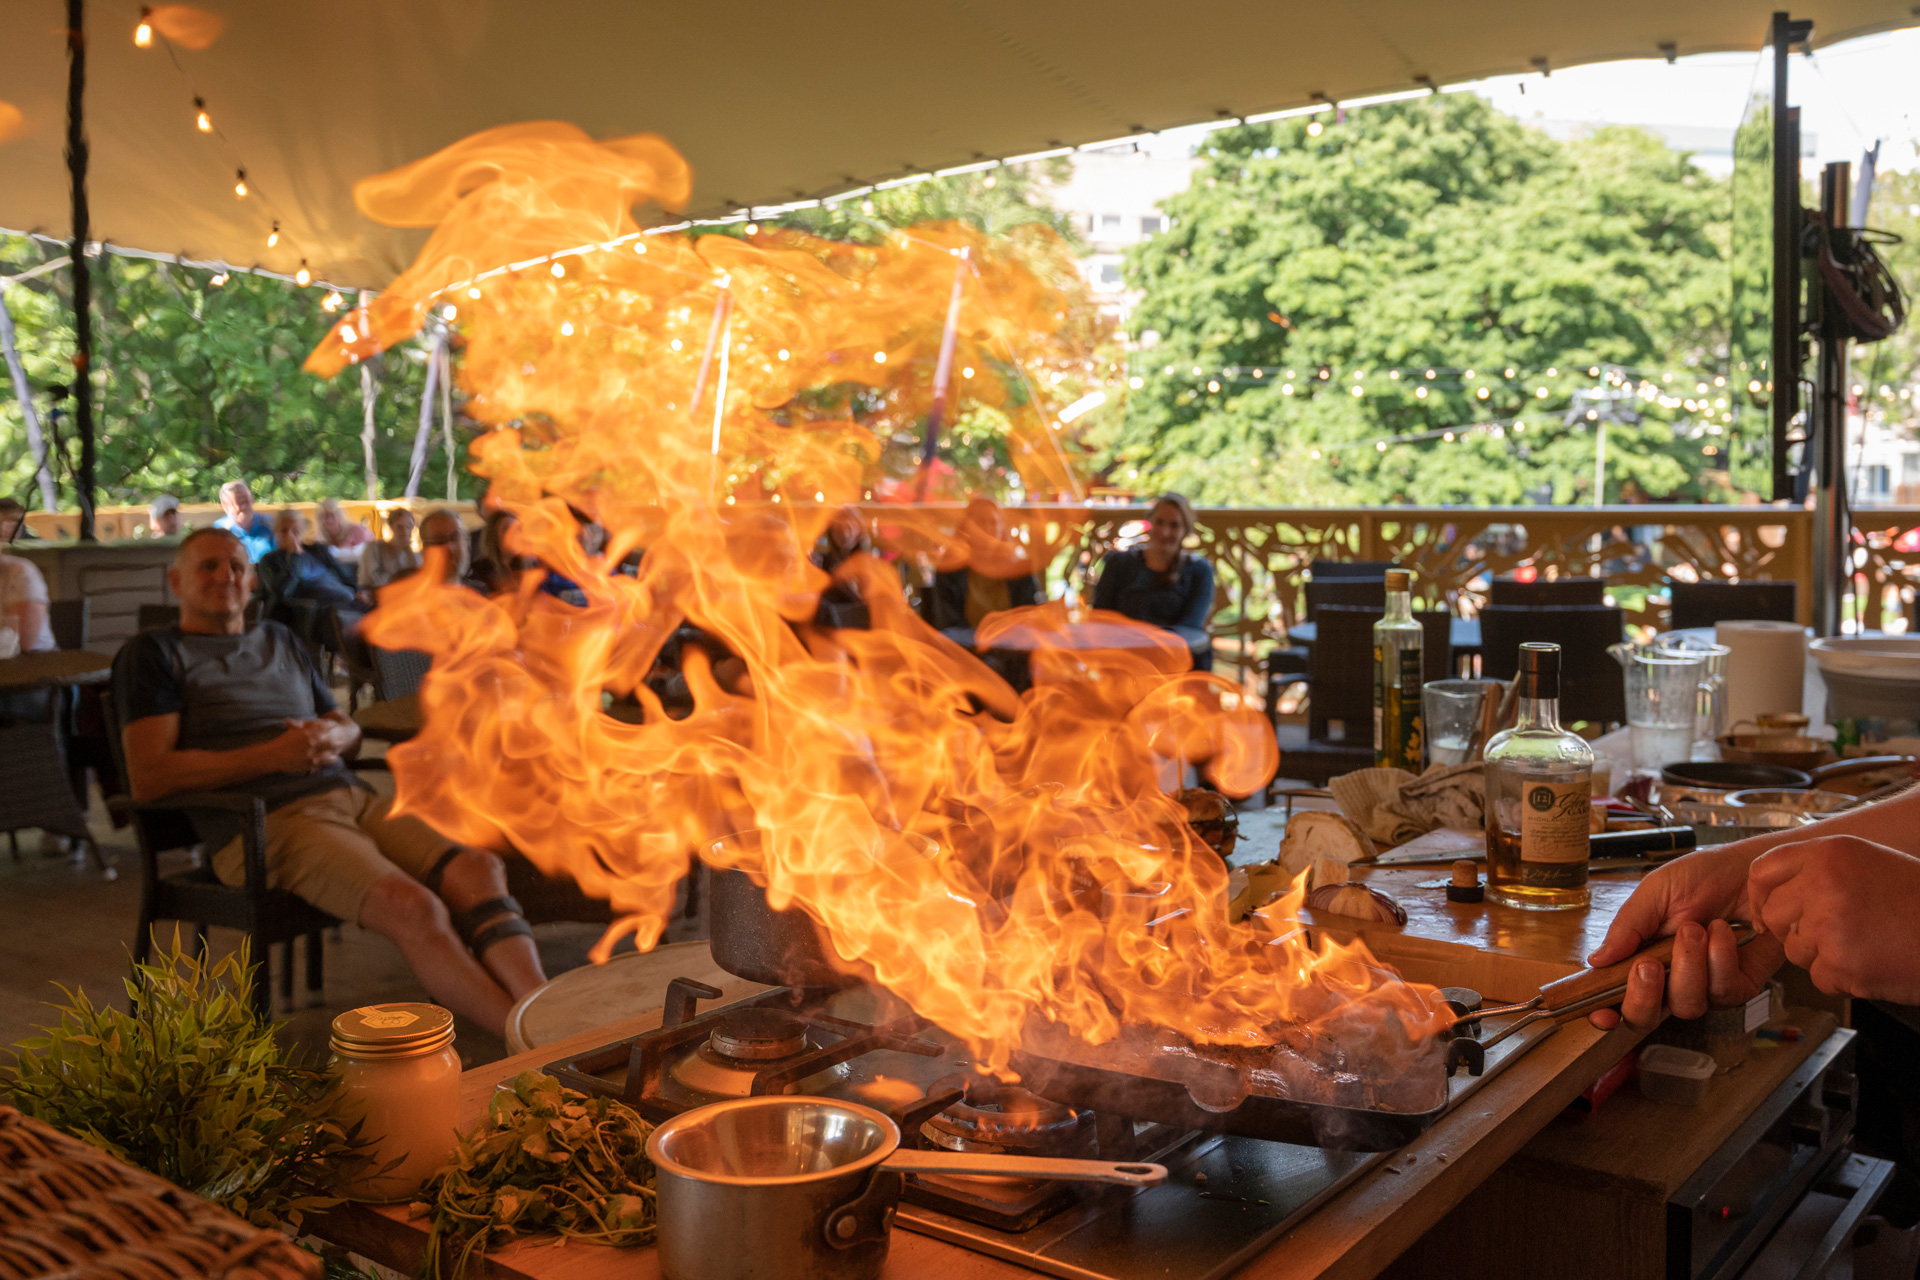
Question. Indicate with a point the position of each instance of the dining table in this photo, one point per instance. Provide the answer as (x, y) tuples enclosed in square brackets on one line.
[(55, 667)]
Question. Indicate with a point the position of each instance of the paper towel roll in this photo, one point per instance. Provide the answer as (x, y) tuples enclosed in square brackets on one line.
[(1766, 668)]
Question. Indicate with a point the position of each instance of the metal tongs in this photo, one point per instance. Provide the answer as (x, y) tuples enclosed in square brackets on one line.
[(1564, 998)]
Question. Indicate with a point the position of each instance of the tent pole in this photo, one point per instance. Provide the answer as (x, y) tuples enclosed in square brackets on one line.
[(82, 281), (423, 436), (446, 411), (23, 391)]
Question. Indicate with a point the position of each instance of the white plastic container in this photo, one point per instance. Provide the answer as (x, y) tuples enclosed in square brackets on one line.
[(1870, 675), (1676, 1076)]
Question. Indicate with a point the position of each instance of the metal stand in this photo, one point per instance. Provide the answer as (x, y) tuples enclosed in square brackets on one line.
[(1827, 425)]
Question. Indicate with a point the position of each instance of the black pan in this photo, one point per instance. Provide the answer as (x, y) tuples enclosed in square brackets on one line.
[(1734, 775)]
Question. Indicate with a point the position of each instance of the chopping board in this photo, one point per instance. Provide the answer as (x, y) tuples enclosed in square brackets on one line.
[(1504, 953)]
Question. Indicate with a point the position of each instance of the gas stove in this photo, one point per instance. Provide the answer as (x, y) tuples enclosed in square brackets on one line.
[(1226, 1197)]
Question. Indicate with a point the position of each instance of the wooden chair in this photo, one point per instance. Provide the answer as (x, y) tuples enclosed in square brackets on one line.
[(1544, 592), (1701, 604), (194, 895), (1592, 686), (69, 621)]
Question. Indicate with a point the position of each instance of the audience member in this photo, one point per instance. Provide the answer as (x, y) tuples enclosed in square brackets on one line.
[(996, 575), (1159, 582), (13, 521), (442, 528), (347, 539), (23, 605), (382, 562), (299, 570), (163, 516), (499, 565), (254, 530), (209, 704)]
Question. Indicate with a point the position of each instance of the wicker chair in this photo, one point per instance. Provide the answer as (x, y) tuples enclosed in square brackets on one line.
[(69, 1209), (398, 672), (70, 620), (194, 895)]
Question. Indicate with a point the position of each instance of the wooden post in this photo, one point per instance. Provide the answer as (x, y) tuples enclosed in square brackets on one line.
[(82, 280)]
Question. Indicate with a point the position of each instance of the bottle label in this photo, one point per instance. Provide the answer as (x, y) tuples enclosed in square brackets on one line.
[(1396, 707), (1553, 820)]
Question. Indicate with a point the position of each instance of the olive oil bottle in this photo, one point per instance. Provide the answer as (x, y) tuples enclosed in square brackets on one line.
[(1539, 790), (1397, 667)]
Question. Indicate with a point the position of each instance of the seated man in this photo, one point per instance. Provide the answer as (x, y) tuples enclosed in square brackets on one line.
[(994, 575), (299, 570), (210, 705), (254, 530)]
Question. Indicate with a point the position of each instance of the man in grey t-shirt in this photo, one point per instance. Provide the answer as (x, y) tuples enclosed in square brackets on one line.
[(212, 705)]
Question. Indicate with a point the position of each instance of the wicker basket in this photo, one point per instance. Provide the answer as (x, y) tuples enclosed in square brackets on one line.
[(69, 1210)]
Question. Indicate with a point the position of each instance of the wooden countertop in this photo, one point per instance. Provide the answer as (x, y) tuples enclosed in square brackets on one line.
[(1354, 1235)]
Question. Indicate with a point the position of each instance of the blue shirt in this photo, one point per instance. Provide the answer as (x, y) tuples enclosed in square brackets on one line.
[(257, 537), (1182, 598)]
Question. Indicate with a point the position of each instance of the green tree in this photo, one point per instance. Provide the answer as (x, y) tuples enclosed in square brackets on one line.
[(1431, 234), (197, 383)]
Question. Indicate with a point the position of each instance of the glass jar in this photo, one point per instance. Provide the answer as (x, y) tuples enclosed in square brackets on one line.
[(402, 1083)]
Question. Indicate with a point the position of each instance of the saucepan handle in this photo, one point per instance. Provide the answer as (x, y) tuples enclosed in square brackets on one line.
[(978, 1163)]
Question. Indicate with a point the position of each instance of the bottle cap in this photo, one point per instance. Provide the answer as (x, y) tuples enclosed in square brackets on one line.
[(1399, 580), (1539, 675), (404, 1030)]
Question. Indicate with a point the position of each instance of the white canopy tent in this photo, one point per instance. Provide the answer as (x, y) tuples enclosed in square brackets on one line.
[(771, 103)]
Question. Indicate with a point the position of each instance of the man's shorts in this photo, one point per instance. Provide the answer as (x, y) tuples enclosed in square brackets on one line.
[(330, 848)]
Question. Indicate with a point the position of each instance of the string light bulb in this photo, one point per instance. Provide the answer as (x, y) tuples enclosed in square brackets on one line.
[(1315, 129), (143, 34), (201, 120), (753, 228), (240, 183), (474, 293), (449, 312), (273, 236), (558, 271), (218, 280), (331, 302), (303, 277), (866, 207)]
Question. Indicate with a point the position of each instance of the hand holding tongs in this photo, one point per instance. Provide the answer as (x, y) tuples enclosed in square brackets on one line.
[(1559, 1000)]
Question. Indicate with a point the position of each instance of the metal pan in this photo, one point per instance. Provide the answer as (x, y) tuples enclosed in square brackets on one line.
[(1199, 1093)]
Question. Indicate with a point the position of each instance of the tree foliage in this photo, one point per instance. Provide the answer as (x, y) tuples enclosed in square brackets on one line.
[(1437, 233), (197, 383)]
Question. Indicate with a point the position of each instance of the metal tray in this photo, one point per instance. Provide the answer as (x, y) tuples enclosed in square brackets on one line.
[(1196, 1093)]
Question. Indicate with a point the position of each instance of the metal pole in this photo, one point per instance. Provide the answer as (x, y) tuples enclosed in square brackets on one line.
[(423, 437), (82, 281), (23, 391), (1827, 428)]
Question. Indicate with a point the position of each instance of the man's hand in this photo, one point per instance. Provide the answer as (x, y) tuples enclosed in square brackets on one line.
[(1708, 967), (306, 745), (1845, 909)]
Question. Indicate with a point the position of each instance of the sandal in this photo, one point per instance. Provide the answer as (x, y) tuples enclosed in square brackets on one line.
[(493, 921)]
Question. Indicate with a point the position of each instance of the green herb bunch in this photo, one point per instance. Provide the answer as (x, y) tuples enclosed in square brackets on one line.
[(193, 1087), (546, 1159)]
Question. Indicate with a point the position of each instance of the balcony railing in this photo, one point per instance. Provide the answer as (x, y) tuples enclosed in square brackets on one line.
[(1261, 556)]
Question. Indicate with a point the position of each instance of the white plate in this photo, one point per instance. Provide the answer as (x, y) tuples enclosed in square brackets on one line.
[(1879, 657)]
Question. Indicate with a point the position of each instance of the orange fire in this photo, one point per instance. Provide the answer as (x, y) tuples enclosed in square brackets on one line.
[(1001, 861)]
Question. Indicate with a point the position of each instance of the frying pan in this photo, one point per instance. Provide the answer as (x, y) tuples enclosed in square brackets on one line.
[(1196, 1092)]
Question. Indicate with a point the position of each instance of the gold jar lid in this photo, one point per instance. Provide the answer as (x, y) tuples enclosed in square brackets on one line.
[(404, 1030)]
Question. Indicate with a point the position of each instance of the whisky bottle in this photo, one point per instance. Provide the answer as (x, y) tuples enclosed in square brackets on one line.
[(1396, 679), (1539, 789)]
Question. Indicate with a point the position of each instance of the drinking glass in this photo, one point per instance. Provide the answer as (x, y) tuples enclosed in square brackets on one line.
[(1451, 717), (1663, 705), (1712, 720)]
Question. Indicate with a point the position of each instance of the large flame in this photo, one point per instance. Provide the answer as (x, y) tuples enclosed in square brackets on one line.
[(997, 859)]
